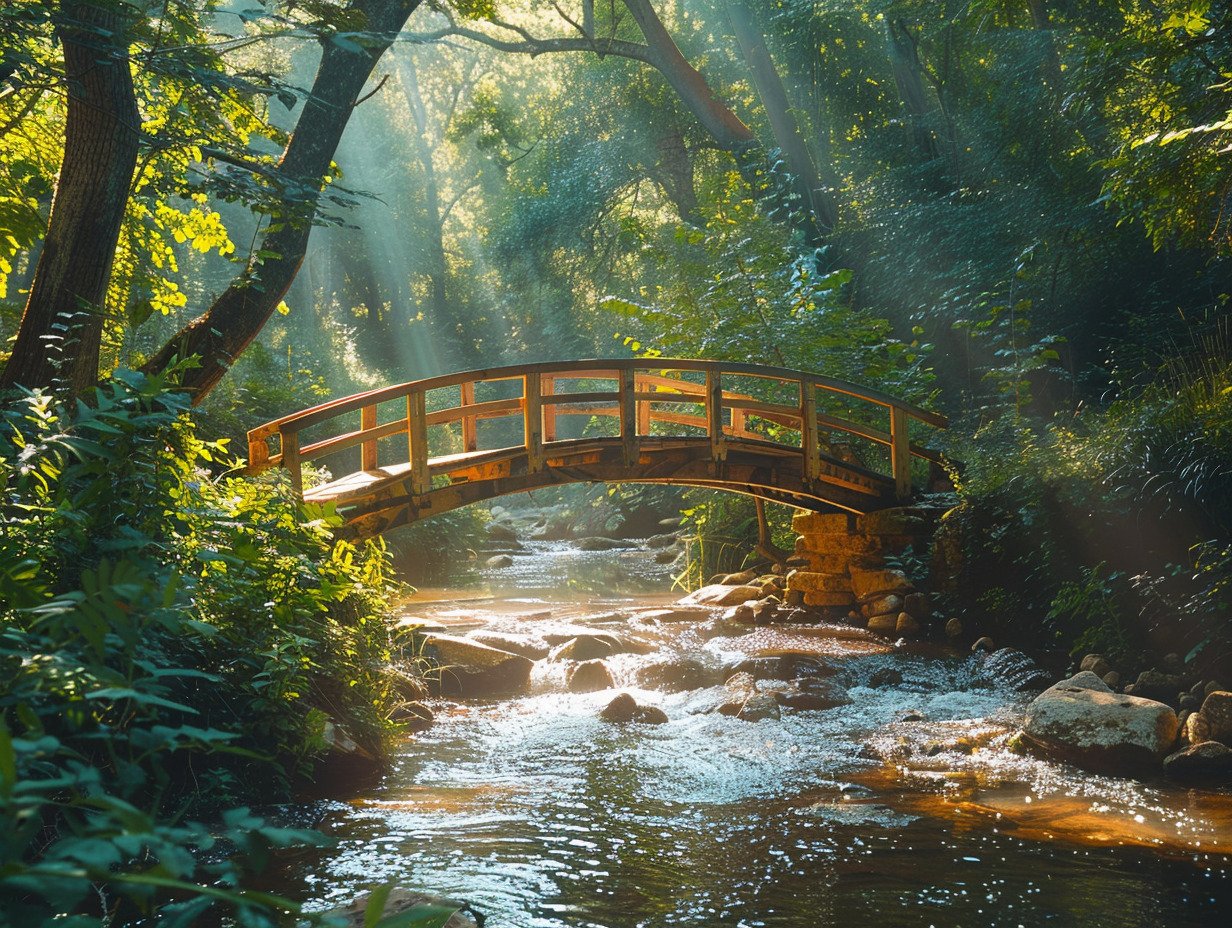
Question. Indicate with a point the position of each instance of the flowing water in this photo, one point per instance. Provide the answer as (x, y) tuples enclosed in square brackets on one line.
[(902, 807)]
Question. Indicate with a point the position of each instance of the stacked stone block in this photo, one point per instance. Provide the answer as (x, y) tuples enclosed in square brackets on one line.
[(841, 564)]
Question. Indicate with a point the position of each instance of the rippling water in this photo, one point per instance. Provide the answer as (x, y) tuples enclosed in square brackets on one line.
[(542, 816)]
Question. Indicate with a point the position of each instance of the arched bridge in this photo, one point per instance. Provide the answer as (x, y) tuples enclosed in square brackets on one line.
[(418, 449)]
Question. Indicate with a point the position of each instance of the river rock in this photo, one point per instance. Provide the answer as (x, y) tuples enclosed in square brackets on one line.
[(1162, 687), (716, 594), (499, 561), (498, 531), (759, 707), (620, 709), (465, 667), (1082, 721), (526, 645), (650, 715), (906, 625), (665, 540), (870, 581), (1197, 729), (1199, 761), (666, 555), (742, 613), (588, 677), (676, 675), (402, 901), (413, 716), (585, 648), (556, 528), (917, 604), (597, 543), (884, 625), (1096, 664), (953, 628), (882, 605), (1217, 710)]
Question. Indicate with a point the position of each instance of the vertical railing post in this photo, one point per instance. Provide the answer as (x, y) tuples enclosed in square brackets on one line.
[(628, 417), (643, 407), (470, 430), (417, 440), (714, 416), (810, 443), (532, 422), (547, 387), (290, 460), (367, 451), (900, 453)]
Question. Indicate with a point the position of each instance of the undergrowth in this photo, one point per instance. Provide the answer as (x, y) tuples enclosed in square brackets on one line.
[(174, 639)]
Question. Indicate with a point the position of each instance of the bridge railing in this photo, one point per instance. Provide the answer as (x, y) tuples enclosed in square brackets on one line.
[(646, 396)]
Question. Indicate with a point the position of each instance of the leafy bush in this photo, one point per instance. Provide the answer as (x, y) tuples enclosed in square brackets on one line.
[(1115, 523), (171, 641)]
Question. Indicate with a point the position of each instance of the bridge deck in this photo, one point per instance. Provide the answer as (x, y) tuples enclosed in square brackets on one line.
[(771, 438)]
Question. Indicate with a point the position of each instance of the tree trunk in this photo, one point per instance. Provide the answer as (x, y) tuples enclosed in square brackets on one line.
[(61, 328), (813, 188), (438, 304), (906, 66), (674, 174), (729, 132), (222, 333)]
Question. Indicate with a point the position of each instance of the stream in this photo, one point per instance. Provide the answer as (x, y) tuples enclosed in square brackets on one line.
[(902, 807)]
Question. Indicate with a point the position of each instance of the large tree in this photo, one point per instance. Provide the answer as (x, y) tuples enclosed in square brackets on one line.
[(61, 328)]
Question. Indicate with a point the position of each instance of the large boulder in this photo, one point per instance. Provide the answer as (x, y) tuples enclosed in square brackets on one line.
[(1217, 710), (588, 677), (526, 645), (465, 667), (1208, 760), (1082, 721), (678, 674), (585, 648), (716, 594)]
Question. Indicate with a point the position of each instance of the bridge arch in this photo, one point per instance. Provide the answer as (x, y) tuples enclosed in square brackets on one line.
[(428, 446)]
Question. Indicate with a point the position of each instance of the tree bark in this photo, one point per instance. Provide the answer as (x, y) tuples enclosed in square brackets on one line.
[(223, 331), (60, 336), (729, 132), (812, 183), (437, 265), (905, 63)]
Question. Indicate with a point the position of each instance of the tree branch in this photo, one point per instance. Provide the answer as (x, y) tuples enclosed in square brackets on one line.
[(529, 45)]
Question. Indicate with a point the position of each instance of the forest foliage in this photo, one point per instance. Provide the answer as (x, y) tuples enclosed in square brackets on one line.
[(1016, 213)]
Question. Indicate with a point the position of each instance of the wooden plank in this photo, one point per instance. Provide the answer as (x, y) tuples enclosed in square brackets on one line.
[(563, 399), (351, 439), (470, 425), (367, 453), (417, 442), (490, 409), (766, 410), (628, 418), (900, 453), (810, 444), (641, 405), (290, 460), (547, 391), (714, 415), (532, 422)]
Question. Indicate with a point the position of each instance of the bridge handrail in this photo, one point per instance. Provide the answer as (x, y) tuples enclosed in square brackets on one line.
[(633, 406)]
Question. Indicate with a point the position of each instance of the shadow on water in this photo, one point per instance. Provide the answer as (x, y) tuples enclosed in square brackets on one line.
[(903, 807)]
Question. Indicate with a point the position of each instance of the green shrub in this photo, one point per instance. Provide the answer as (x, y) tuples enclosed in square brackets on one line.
[(168, 635)]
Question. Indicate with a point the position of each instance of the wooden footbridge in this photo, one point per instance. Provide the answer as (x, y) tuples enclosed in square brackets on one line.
[(418, 449)]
